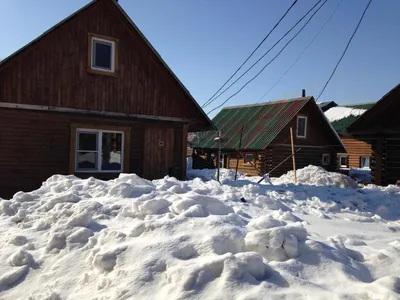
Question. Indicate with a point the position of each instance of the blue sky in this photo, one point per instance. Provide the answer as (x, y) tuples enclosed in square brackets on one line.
[(204, 41)]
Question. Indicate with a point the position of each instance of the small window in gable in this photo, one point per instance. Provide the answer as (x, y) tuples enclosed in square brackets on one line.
[(301, 127), (102, 56)]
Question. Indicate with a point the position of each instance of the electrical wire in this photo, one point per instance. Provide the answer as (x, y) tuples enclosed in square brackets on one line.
[(269, 50), (252, 53), (345, 49), (302, 53), (254, 77)]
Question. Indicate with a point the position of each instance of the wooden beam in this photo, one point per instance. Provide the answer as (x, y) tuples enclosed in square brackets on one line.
[(91, 112), (184, 151)]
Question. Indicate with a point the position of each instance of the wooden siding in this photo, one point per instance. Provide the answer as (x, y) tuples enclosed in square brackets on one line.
[(244, 167), (355, 149), (54, 71), (35, 145), (159, 154), (319, 132), (304, 157)]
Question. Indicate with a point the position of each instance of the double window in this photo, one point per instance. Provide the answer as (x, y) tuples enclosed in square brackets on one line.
[(99, 150), (301, 131), (103, 54)]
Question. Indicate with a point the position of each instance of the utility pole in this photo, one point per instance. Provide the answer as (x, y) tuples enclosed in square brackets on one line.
[(240, 146), (218, 138), (293, 155)]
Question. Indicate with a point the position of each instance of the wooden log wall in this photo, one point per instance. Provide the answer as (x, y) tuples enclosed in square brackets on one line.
[(306, 156), (391, 161), (35, 145), (355, 149), (244, 167)]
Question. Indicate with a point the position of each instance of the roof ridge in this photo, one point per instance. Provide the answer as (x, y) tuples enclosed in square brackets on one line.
[(269, 102)]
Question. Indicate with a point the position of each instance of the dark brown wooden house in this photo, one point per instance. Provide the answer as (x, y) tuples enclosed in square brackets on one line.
[(266, 138), (380, 127), (92, 97)]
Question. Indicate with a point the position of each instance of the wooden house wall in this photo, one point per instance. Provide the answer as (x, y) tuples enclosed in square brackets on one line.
[(54, 71), (35, 145), (319, 132), (250, 169), (355, 149), (385, 162)]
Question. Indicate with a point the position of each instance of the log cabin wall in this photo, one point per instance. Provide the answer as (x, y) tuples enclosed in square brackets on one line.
[(245, 167), (355, 150), (54, 71), (35, 145)]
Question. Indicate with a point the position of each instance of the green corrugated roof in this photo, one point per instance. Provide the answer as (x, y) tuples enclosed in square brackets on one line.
[(361, 105), (342, 124), (262, 123)]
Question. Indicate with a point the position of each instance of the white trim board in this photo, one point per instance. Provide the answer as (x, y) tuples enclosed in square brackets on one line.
[(90, 112)]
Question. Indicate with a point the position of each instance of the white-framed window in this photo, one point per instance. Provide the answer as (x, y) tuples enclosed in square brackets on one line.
[(99, 150), (365, 162), (103, 54), (249, 158), (342, 160), (301, 131), (326, 159)]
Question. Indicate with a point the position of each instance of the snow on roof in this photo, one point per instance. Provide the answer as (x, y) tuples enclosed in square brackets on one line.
[(341, 112)]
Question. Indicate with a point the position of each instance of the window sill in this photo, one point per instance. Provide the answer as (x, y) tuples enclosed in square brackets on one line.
[(99, 72)]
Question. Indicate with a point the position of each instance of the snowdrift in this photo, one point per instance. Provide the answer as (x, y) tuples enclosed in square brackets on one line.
[(130, 238)]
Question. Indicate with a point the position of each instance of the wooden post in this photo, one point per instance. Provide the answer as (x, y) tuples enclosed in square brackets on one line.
[(219, 154), (293, 155), (240, 146)]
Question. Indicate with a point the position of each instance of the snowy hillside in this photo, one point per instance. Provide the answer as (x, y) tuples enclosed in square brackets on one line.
[(130, 238)]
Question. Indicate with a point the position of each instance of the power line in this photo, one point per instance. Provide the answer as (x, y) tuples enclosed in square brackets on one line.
[(345, 49), (259, 45), (254, 77), (269, 50), (302, 53)]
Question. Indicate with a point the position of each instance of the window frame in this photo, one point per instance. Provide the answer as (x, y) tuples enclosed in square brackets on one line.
[(305, 127), (340, 161), (246, 161), (125, 147), (365, 156), (92, 37), (329, 159)]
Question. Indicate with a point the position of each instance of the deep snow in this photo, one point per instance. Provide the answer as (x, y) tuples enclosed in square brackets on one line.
[(130, 238)]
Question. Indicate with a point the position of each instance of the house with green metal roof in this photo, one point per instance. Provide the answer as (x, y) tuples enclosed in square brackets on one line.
[(358, 153), (257, 138)]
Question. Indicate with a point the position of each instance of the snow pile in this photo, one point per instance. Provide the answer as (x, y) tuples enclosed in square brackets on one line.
[(341, 112), (361, 175), (130, 238), (313, 175), (225, 175)]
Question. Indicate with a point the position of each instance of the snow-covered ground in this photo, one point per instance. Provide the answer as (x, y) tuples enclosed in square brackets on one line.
[(130, 238), (341, 112)]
